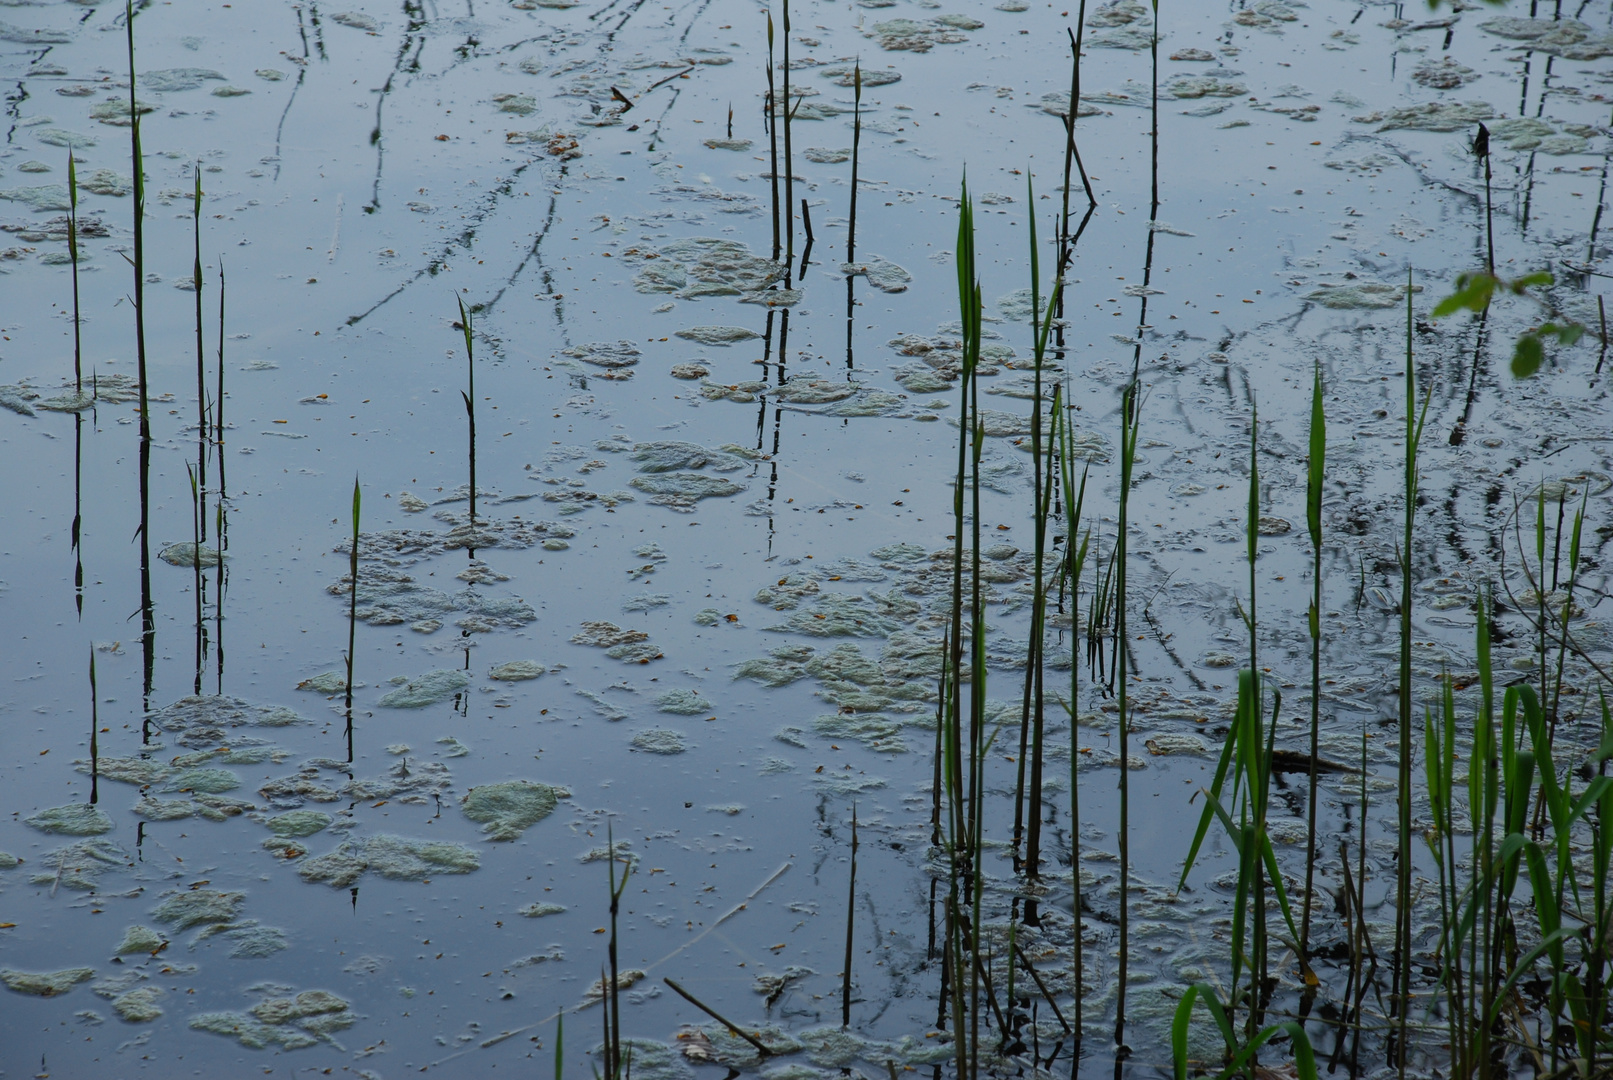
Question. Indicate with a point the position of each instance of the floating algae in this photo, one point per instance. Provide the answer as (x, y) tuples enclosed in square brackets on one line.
[(506, 810), (1206, 85), (604, 635), (539, 909), (880, 272), (327, 682), (45, 983), (198, 907), (690, 371), (660, 741), (204, 781), (291, 1023), (682, 702), (716, 1044), (40, 197), (139, 939), (427, 689), (787, 593), (1430, 116), (1523, 133), (717, 335), (702, 266), (670, 455), (390, 856), (200, 718), (517, 671), (605, 354), (105, 182), (651, 1060), (837, 614), (79, 866), (1443, 74), (169, 80), (879, 733), (129, 770), (389, 597), (912, 35), (820, 155), (1365, 295), (728, 144), (682, 490), (299, 823), (74, 819), (1568, 38), (164, 809), (140, 1005), (254, 942)]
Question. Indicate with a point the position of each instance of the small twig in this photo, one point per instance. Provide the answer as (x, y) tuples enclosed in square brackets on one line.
[(709, 1011), (1025, 961)]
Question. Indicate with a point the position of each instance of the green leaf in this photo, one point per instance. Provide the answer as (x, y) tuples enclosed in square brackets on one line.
[(1527, 356), (1313, 482), (1473, 292), (1529, 281)]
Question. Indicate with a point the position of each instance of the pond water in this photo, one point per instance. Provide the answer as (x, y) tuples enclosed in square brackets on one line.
[(699, 614)]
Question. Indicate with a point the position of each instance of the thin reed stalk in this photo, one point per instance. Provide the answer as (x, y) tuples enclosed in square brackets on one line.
[(772, 135), (856, 146), (470, 409), (352, 612), (72, 252), (201, 361), (95, 735), (196, 570), (789, 156), (221, 529), (851, 906), (148, 619)]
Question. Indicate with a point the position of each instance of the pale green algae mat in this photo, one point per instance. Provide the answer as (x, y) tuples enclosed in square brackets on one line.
[(699, 610)]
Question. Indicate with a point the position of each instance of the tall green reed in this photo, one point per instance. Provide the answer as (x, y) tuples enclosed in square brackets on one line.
[(1404, 917), (469, 395), (1032, 715), (964, 742), (201, 360), (616, 1066), (1071, 571), (1315, 474), (1130, 416)]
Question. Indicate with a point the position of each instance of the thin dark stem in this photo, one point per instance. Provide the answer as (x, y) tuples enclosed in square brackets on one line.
[(851, 905), (201, 360)]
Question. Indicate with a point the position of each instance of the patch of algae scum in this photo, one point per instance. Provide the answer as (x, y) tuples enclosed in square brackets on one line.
[(507, 810), (45, 983), (289, 1022), (392, 857)]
